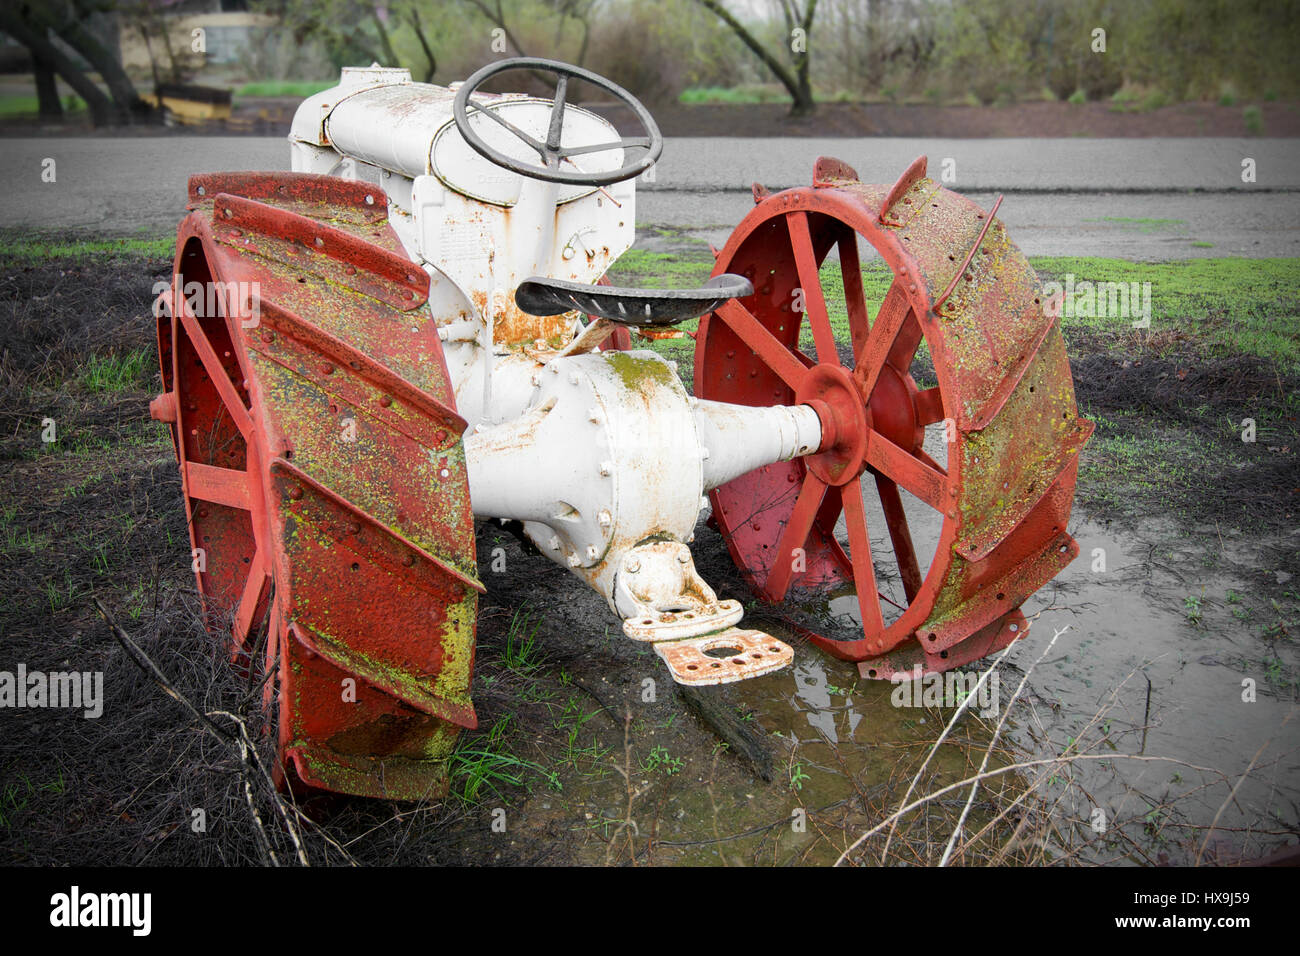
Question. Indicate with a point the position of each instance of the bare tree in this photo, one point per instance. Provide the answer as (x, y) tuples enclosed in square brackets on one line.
[(35, 25), (565, 10), (496, 15), (794, 77)]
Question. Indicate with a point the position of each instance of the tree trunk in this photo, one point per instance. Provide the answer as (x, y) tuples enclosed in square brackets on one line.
[(389, 53), (34, 38), (69, 20), (799, 87), (47, 90), (110, 71), (418, 26), (804, 104)]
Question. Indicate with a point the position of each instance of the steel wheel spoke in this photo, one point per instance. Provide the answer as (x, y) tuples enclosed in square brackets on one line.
[(829, 515), (492, 114), (810, 281), (827, 518), (765, 345), (217, 372), (864, 572), (855, 298), (918, 477), (901, 537), (556, 127), (259, 579), (627, 142), (904, 350), (222, 486), (924, 455), (276, 662), (881, 338), (929, 406), (795, 536)]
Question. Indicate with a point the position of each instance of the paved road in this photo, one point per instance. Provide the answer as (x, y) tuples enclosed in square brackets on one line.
[(1140, 199)]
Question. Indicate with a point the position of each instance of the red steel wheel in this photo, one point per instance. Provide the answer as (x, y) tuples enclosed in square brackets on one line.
[(324, 474), (1003, 394)]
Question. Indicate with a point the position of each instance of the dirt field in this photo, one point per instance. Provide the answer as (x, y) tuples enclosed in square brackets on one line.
[(585, 767)]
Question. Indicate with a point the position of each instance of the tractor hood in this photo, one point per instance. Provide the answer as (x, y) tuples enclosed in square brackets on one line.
[(379, 116)]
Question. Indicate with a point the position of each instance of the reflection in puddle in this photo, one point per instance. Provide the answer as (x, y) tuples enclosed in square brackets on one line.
[(813, 690), (844, 753)]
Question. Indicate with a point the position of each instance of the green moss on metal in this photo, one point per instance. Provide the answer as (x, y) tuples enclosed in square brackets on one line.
[(634, 372)]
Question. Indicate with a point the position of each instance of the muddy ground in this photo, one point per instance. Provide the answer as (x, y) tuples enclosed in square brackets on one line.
[(1198, 590)]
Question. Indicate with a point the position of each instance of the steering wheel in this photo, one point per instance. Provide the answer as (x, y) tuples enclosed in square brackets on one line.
[(551, 152)]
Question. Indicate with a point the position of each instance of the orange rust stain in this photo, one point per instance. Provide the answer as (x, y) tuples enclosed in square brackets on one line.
[(515, 327), (512, 326)]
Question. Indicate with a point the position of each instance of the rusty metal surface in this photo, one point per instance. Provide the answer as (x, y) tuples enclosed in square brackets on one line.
[(964, 289), (749, 654), (324, 474)]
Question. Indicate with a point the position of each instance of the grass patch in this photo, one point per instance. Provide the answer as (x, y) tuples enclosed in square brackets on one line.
[(1223, 306), (482, 764), (1226, 306), (1116, 464), (117, 372), (750, 93), (522, 653), (285, 88), (1254, 120), (28, 251), (15, 107)]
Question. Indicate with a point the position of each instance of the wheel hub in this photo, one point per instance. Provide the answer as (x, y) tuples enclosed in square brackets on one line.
[(830, 390)]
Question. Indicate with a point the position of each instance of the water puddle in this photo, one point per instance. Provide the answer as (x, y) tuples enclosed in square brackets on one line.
[(1161, 653)]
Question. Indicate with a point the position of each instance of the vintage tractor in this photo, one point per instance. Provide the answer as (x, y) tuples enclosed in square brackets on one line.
[(411, 331)]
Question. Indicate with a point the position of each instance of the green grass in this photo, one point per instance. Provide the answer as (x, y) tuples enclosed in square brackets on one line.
[(1227, 305), (482, 764), (523, 654), (117, 372), (733, 94), (572, 722), (659, 760), (1254, 120), (13, 107), (1154, 100), (15, 797), (285, 88), (25, 251)]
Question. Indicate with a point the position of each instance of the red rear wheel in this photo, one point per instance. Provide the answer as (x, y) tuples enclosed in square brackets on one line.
[(884, 536), (324, 475)]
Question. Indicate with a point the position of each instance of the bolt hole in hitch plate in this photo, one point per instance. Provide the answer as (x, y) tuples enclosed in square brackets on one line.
[(668, 605), (695, 661)]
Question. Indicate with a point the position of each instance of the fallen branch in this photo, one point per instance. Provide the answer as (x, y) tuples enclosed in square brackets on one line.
[(980, 778), (241, 743)]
